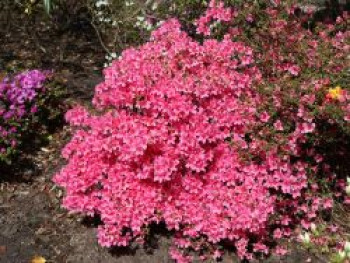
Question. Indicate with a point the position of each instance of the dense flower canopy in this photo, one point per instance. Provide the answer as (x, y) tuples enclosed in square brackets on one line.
[(168, 151), (180, 138)]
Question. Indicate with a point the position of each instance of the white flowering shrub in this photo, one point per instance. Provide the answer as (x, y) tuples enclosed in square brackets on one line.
[(125, 23)]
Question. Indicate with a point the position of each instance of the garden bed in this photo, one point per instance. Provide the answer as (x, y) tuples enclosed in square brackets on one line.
[(32, 221)]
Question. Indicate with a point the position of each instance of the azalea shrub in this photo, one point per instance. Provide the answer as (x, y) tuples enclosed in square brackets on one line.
[(226, 137), (27, 101)]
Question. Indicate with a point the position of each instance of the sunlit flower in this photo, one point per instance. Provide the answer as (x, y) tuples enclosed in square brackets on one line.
[(342, 254), (347, 247), (305, 238), (313, 227), (347, 189), (335, 93)]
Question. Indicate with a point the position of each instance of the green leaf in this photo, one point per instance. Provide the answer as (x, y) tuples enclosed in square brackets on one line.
[(47, 6)]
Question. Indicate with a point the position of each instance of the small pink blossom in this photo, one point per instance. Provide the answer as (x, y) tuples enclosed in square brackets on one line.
[(306, 127), (278, 125), (294, 70), (264, 117)]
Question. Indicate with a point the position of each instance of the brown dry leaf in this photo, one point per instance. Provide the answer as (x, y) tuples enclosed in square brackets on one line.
[(2, 249), (38, 259)]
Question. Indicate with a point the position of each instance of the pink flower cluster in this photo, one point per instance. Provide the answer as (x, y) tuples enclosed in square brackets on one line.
[(183, 137), (216, 12)]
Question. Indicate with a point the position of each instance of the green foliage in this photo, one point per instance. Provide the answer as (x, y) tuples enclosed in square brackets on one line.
[(47, 6)]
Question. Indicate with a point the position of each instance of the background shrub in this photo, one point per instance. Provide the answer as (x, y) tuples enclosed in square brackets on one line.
[(29, 101)]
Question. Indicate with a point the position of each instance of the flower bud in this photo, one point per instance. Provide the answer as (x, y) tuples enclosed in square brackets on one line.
[(305, 238), (347, 190), (313, 227), (347, 248), (342, 254)]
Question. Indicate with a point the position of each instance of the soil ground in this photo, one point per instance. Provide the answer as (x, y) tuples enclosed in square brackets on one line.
[(31, 219)]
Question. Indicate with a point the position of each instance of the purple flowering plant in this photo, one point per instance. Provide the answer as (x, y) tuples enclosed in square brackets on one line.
[(24, 98)]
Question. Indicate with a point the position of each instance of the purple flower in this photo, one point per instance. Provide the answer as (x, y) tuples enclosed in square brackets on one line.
[(18, 95)]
